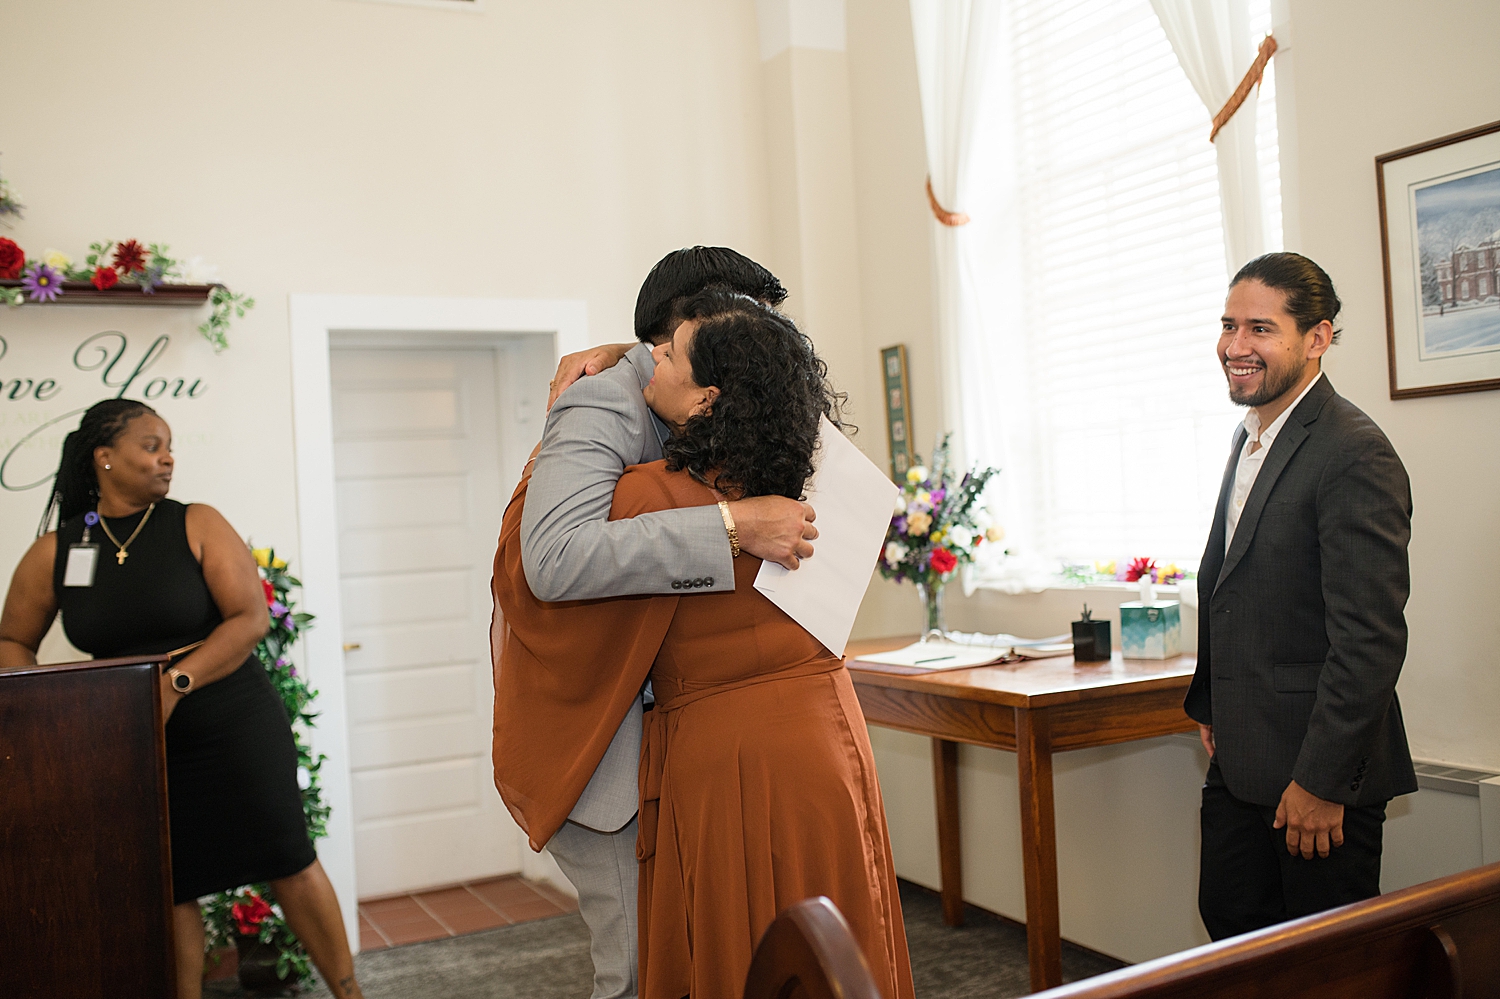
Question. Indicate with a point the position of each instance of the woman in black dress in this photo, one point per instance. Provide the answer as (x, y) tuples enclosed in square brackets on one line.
[(166, 576)]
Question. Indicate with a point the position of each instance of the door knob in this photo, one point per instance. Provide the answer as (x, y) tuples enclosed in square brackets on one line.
[(351, 646)]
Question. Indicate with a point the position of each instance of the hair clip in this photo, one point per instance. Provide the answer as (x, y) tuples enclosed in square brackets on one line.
[(91, 518)]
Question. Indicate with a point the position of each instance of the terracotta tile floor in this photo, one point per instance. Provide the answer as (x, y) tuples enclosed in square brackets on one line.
[(450, 912)]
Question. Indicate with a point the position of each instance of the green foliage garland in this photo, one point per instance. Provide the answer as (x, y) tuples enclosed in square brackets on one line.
[(253, 910)]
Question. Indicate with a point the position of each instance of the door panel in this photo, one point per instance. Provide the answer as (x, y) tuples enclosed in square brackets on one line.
[(416, 462)]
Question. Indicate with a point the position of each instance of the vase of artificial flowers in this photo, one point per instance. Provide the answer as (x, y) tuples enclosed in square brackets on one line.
[(936, 527)]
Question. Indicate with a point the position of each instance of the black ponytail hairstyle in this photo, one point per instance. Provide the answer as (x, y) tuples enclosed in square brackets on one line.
[(76, 487)]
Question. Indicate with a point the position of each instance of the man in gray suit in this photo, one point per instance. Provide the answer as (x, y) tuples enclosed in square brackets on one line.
[(1301, 627), (570, 551)]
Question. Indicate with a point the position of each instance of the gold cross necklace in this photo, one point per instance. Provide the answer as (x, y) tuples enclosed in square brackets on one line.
[(121, 555)]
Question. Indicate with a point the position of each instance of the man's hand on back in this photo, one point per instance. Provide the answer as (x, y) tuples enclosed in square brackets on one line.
[(775, 528), (585, 362), (1311, 822)]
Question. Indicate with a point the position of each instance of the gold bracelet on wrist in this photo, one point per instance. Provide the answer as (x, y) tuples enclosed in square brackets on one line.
[(730, 529)]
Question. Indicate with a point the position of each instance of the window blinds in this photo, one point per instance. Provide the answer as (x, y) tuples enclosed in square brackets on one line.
[(1121, 282)]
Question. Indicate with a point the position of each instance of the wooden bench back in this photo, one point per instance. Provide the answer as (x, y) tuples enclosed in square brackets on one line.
[(1438, 940), (808, 952)]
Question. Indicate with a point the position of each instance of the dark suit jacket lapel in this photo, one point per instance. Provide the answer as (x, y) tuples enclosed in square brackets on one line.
[(1293, 433), (1213, 555)]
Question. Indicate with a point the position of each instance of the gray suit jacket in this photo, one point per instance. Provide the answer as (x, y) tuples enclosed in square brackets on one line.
[(599, 426), (1301, 626)]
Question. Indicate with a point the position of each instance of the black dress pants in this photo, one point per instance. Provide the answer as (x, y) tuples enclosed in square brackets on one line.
[(1247, 880)]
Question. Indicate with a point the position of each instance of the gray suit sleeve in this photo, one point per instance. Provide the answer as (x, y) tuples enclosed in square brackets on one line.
[(1364, 524), (569, 547)]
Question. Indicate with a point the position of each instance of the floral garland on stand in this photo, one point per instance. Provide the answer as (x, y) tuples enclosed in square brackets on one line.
[(250, 915), (937, 526), (1112, 571)]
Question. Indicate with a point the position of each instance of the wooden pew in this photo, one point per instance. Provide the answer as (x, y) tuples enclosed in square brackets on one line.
[(808, 952), (85, 876), (1438, 940)]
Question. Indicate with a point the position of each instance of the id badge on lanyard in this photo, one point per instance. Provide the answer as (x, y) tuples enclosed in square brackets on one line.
[(83, 558)]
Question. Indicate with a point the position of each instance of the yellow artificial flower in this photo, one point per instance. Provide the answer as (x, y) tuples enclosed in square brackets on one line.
[(918, 523), (994, 534), (916, 473), (278, 563), (937, 537), (923, 498), (263, 557), (58, 261), (1105, 568)]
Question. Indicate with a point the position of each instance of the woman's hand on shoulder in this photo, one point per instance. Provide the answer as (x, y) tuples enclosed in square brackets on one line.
[(30, 604)]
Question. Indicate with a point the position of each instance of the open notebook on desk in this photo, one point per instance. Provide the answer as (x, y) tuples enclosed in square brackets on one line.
[(962, 651)]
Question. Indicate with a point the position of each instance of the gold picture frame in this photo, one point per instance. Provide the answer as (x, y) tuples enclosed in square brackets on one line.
[(897, 408)]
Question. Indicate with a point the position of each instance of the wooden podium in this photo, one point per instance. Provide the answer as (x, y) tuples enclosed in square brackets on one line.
[(86, 871)]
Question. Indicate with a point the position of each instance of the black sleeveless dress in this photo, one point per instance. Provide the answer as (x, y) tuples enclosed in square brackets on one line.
[(236, 809)]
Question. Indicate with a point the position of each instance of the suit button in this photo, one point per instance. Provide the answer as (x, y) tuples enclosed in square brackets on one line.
[(1354, 786), (708, 581), (676, 584), (697, 582)]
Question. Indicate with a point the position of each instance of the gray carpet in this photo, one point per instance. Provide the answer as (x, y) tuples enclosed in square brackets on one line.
[(549, 959)]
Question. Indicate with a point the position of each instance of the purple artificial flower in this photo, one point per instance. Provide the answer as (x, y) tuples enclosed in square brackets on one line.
[(278, 608), (294, 671), (281, 661), (899, 524), (42, 283), (937, 496)]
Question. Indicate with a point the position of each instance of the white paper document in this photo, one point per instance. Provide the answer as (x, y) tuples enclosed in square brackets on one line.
[(963, 651), (853, 500)]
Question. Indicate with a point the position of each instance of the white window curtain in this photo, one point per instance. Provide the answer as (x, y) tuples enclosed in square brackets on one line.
[(1214, 47), (1078, 310)]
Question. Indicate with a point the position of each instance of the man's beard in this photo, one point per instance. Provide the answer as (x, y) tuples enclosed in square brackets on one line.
[(1272, 386)]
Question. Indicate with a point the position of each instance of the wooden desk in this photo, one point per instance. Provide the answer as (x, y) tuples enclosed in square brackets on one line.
[(1032, 709)]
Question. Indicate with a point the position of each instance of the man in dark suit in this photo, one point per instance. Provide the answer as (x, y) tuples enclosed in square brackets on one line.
[(1301, 627)]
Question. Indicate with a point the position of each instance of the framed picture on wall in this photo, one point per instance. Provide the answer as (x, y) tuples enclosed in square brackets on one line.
[(897, 409), (1440, 241)]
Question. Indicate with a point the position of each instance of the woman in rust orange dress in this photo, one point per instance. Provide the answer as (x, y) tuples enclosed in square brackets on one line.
[(757, 778)]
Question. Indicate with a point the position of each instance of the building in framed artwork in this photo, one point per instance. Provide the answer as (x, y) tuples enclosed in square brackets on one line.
[(1440, 238), (897, 408)]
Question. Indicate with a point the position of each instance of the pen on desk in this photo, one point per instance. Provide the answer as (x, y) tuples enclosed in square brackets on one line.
[(934, 659)]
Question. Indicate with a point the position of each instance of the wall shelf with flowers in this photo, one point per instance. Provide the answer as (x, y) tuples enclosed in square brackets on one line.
[(115, 273)]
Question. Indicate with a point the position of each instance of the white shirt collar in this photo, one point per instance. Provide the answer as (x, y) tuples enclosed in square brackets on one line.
[(1268, 435)]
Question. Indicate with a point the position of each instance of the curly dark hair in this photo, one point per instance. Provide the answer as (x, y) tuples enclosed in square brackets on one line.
[(759, 436), (76, 487)]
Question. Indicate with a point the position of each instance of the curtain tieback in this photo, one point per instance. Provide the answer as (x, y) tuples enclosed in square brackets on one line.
[(1252, 79), (942, 214)]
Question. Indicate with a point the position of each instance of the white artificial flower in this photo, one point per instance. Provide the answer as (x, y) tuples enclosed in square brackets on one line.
[(900, 504), (916, 473), (196, 270), (959, 536), (304, 779), (58, 261), (895, 552)]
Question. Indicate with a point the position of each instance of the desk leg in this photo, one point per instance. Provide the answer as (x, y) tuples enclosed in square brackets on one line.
[(1039, 847), (950, 855)]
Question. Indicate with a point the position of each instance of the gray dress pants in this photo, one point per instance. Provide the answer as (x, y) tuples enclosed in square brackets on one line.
[(602, 866)]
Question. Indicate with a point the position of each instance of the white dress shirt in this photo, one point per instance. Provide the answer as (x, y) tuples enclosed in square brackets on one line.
[(1251, 458)]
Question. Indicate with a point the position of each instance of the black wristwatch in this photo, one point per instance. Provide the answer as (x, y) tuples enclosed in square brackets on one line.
[(181, 682)]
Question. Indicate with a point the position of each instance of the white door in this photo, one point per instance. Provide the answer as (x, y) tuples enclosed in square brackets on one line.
[(419, 506)]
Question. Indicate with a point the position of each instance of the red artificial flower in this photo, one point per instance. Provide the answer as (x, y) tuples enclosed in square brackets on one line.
[(130, 257), (265, 584), (12, 259), (106, 277), (249, 915), (1139, 567), (943, 560)]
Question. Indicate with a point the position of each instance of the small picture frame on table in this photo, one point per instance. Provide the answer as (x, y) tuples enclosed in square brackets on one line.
[(897, 409), (1440, 243)]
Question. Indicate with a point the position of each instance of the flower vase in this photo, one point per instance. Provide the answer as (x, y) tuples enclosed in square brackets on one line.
[(931, 595), (257, 967)]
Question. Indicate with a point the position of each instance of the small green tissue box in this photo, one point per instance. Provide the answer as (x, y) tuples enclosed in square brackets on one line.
[(1151, 631)]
